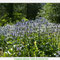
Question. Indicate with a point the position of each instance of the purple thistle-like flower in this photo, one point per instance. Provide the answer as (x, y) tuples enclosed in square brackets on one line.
[(26, 23), (13, 34), (34, 24), (31, 30), (17, 32), (17, 48), (19, 53), (40, 18), (23, 23), (23, 20), (18, 23)]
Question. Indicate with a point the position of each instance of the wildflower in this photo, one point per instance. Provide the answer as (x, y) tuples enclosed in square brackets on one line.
[(13, 34), (35, 42), (22, 42), (23, 20), (17, 48), (26, 23), (19, 53)]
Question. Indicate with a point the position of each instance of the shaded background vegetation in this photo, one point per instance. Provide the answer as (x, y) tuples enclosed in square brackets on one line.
[(13, 12), (51, 11)]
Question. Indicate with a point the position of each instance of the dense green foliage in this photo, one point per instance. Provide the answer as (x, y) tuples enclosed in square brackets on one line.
[(12, 12), (31, 45), (32, 10), (51, 11)]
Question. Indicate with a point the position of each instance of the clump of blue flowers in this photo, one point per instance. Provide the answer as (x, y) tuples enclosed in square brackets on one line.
[(30, 38)]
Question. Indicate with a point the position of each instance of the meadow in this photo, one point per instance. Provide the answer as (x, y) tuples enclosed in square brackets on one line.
[(32, 38)]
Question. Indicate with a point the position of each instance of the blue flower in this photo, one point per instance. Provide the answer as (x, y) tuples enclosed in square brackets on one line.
[(19, 53), (23, 20), (13, 34)]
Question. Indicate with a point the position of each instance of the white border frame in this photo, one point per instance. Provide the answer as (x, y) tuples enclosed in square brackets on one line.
[(29, 1)]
